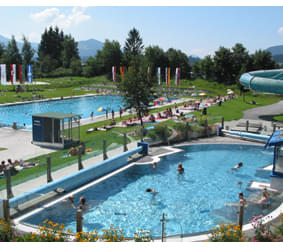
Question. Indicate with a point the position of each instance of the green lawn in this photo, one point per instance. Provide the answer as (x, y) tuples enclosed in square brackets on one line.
[(278, 118)]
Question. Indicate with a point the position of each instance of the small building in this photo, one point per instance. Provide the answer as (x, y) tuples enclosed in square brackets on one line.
[(56, 130), (277, 171)]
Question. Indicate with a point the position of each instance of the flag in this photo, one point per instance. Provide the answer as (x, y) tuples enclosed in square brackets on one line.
[(158, 75), (20, 74), (13, 73), (166, 75), (3, 74), (23, 74), (29, 76), (114, 73), (122, 72), (169, 76), (177, 76)]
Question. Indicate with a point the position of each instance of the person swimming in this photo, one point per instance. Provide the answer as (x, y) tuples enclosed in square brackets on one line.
[(180, 169), (239, 165)]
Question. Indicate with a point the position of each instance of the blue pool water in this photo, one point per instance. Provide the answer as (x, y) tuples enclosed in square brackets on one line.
[(22, 113), (193, 202)]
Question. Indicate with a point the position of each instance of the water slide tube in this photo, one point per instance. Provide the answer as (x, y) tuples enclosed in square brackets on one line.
[(268, 80), (249, 135)]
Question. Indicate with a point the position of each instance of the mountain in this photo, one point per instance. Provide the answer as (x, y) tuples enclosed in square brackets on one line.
[(86, 48), (275, 50), (277, 53), (193, 59), (89, 48)]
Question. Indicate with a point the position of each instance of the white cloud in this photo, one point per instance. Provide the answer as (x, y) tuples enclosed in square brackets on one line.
[(63, 20), (280, 30), (201, 52), (45, 15)]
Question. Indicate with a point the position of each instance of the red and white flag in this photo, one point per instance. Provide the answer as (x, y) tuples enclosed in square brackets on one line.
[(114, 73), (3, 74), (13, 73), (20, 74), (177, 76)]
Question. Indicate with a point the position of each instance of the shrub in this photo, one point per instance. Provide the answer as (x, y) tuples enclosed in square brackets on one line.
[(6, 231), (160, 131), (142, 236)]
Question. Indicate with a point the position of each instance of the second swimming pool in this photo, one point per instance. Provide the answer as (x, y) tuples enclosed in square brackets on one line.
[(22, 113), (193, 202)]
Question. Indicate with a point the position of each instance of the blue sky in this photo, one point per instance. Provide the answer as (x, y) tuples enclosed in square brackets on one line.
[(194, 30)]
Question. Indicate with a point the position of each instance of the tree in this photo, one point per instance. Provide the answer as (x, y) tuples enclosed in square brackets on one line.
[(207, 68), (137, 89), (76, 67), (240, 57), (51, 45), (196, 70), (12, 55), (223, 62), (70, 51), (176, 59), (262, 60), (90, 68), (110, 55), (27, 52), (133, 46), (2, 53)]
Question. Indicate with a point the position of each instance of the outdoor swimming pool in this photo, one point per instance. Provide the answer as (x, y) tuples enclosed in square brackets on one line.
[(22, 113), (193, 202)]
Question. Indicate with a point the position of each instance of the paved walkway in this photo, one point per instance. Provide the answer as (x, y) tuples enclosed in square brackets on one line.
[(265, 112)]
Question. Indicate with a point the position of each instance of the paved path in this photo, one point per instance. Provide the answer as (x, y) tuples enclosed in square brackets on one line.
[(264, 113)]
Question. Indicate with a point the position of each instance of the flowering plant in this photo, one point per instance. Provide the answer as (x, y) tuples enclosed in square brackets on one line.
[(227, 232)]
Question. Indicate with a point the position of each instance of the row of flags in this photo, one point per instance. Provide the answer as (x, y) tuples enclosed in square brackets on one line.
[(167, 74), (13, 73)]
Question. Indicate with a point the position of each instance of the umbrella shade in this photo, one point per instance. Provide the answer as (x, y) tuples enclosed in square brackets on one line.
[(161, 98), (194, 94), (202, 94), (230, 92)]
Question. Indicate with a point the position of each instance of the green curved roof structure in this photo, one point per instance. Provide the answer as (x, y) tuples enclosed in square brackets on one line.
[(265, 80)]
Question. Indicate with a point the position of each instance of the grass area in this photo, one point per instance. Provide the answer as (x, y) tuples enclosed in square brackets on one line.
[(2, 149), (278, 118)]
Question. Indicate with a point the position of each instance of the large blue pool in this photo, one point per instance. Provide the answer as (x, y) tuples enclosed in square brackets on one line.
[(193, 202), (22, 113)]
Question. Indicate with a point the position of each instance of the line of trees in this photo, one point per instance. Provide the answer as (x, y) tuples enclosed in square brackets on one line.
[(58, 55), (227, 65)]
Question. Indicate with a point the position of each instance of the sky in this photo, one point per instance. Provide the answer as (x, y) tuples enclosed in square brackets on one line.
[(195, 30)]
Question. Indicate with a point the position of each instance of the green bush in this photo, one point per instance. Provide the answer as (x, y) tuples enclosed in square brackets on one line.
[(161, 131)]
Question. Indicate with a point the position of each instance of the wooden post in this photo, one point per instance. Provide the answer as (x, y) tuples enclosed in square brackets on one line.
[(206, 127), (79, 220), (125, 143), (241, 215), (163, 227), (104, 150), (80, 165), (48, 162), (222, 122), (166, 133), (247, 125), (187, 130), (6, 209), (8, 184)]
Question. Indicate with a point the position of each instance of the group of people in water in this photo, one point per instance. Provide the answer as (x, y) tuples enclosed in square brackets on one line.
[(180, 170), (82, 202)]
